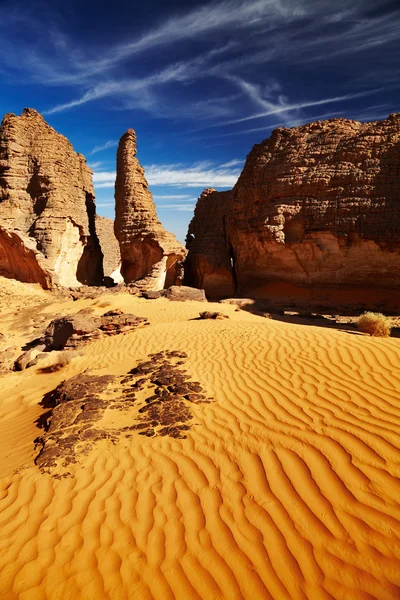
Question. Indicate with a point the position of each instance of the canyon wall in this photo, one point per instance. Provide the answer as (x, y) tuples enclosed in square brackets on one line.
[(47, 200), (313, 221), (148, 253), (110, 248)]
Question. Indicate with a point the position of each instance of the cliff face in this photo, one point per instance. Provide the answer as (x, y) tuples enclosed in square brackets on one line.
[(148, 252), (314, 218), (110, 248), (209, 261), (46, 195)]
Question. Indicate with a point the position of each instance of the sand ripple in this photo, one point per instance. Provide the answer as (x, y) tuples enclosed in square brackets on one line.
[(286, 487)]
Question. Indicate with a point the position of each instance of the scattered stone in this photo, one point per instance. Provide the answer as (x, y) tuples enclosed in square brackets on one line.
[(77, 406), (185, 293), (73, 330), (25, 360), (213, 315), (152, 295)]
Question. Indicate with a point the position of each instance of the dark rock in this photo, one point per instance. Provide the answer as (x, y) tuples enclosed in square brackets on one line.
[(184, 293)]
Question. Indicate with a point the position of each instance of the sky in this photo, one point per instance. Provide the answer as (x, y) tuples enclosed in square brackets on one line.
[(200, 82)]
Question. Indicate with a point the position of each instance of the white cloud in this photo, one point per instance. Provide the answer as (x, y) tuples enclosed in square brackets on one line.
[(233, 163), (106, 184), (178, 207), (288, 107), (197, 175), (109, 144), (104, 204), (172, 197)]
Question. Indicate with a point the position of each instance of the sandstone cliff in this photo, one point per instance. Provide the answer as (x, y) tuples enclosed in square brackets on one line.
[(147, 250), (209, 262), (110, 248), (47, 201), (314, 219)]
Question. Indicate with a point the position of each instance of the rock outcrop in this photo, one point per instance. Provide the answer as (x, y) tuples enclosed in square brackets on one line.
[(148, 252), (47, 209), (110, 248), (314, 220)]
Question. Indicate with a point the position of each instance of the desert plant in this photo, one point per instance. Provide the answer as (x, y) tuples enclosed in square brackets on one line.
[(375, 324), (62, 359)]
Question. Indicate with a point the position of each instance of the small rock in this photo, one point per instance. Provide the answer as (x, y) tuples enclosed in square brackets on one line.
[(183, 293), (213, 315)]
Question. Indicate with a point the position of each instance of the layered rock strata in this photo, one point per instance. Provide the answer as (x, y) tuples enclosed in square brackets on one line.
[(314, 220), (148, 252), (47, 208)]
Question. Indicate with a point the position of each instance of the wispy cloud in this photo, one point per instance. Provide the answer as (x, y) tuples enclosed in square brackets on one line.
[(216, 59), (177, 207), (233, 163), (172, 197), (109, 144), (197, 175), (95, 165), (287, 107)]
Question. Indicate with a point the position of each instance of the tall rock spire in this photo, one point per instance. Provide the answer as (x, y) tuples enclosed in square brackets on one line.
[(147, 250)]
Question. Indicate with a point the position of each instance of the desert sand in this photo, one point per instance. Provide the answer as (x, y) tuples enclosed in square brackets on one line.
[(285, 486)]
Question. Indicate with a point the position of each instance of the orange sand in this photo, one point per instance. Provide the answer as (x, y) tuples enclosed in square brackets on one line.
[(286, 486)]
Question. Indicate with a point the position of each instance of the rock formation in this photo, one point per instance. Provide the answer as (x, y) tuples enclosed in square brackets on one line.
[(110, 248), (208, 264), (148, 252), (47, 209), (314, 220)]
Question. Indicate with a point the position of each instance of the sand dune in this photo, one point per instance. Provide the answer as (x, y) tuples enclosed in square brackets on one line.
[(285, 487)]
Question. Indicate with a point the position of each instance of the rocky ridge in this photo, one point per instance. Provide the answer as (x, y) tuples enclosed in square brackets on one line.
[(312, 221)]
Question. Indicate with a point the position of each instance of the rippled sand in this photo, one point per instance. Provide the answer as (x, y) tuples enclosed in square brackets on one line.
[(286, 486)]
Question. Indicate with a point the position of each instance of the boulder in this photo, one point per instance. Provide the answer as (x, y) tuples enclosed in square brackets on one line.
[(185, 293), (73, 330)]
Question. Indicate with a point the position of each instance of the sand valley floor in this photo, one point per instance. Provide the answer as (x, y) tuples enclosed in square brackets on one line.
[(284, 484)]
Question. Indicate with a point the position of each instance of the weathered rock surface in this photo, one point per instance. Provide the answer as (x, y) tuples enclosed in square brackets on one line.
[(184, 293), (209, 262), (154, 399), (148, 252), (213, 315), (47, 209), (314, 220), (110, 248), (71, 331)]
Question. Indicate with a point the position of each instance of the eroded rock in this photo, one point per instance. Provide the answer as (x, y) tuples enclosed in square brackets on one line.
[(155, 399), (312, 222), (185, 293), (151, 256), (47, 208), (74, 330)]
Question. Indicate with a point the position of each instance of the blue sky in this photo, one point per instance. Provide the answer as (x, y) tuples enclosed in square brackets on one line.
[(200, 82)]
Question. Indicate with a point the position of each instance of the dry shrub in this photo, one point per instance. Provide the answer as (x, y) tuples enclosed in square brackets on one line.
[(62, 360), (375, 324)]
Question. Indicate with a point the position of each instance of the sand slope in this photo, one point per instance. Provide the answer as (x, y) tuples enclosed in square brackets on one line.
[(286, 486)]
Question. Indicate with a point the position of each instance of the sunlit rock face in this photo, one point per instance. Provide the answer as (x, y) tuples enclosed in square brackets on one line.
[(148, 252), (110, 249), (313, 221), (46, 195)]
